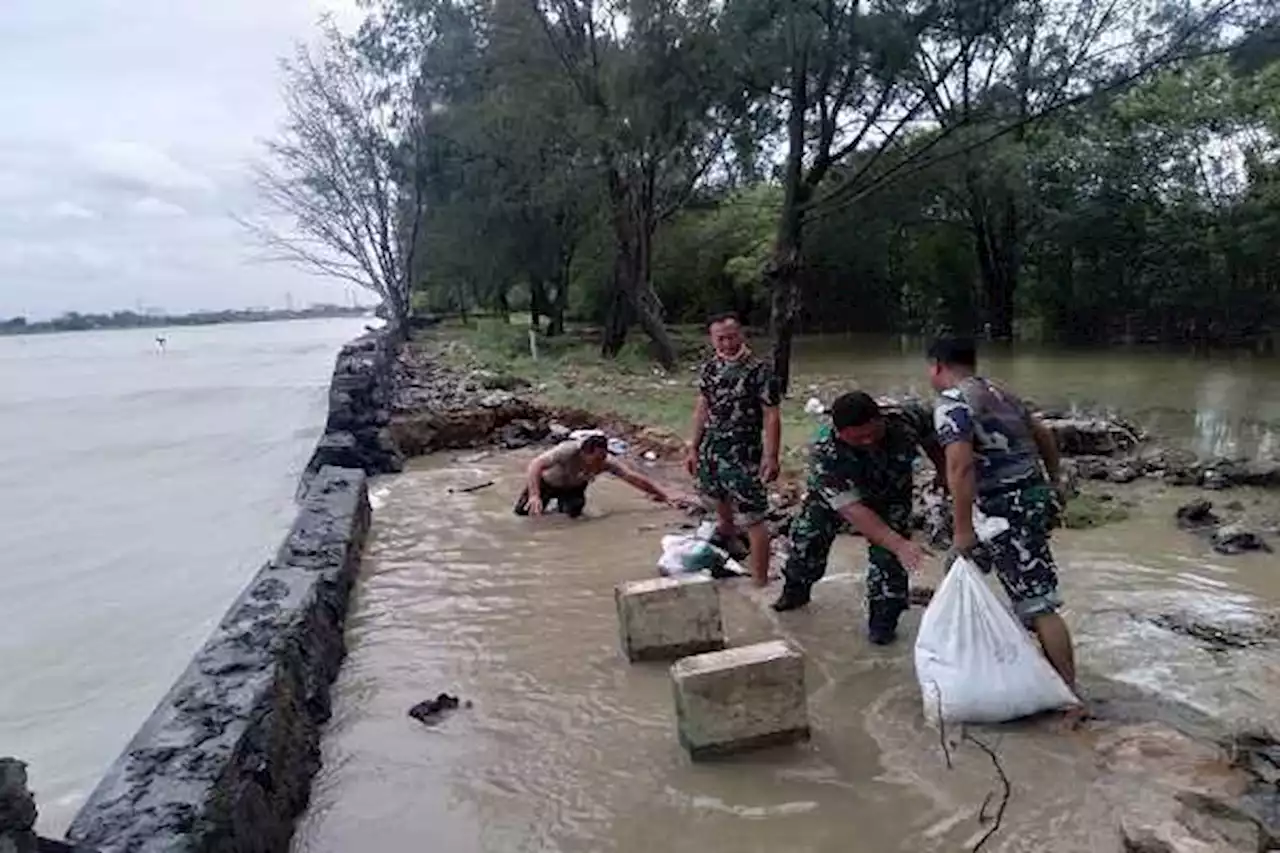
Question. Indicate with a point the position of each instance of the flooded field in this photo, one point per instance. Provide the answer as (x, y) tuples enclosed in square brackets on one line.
[(566, 747)]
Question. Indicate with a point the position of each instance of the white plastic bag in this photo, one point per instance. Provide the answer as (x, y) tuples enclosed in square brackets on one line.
[(683, 555), (975, 662)]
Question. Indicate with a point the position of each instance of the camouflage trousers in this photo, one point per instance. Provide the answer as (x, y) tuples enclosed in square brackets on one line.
[(729, 471), (814, 530), (1021, 557)]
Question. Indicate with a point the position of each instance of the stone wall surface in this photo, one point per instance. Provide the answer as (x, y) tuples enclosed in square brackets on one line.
[(356, 432), (225, 761)]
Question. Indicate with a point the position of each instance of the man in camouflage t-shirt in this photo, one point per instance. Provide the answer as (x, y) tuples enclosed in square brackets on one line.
[(738, 397), (994, 450), (861, 471)]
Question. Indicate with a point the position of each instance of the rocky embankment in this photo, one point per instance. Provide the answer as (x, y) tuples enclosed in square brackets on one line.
[(357, 430)]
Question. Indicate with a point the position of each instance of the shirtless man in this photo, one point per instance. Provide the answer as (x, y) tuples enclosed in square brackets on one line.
[(563, 473)]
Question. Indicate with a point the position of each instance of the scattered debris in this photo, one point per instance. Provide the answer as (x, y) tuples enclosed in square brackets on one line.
[(1197, 515), (1216, 637), (1236, 539), (468, 489), (920, 596), (429, 712)]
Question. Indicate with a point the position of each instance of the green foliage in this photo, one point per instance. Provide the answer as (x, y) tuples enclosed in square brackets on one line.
[(906, 165)]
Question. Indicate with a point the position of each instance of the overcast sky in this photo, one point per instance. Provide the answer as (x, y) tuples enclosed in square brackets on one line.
[(125, 130)]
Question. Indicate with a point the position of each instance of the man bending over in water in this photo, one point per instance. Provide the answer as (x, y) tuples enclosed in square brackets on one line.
[(862, 472), (563, 473), (994, 451)]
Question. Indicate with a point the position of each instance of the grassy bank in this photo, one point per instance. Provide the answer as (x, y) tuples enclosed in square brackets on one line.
[(570, 371)]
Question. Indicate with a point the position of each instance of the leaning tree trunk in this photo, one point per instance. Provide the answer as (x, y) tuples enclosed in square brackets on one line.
[(633, 294)]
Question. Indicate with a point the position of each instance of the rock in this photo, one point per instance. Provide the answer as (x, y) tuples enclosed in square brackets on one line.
[(430, 711), (667, 618), (1261, 473), (496, 399), (17, 805), (1236, 539), (1123, 474), (740, 699), (356, 434), (1215, 637), (558, 431), (1213, 479), (521, 433), (1212, 819), (1091, 436), (1169, 836), (1197, 515)]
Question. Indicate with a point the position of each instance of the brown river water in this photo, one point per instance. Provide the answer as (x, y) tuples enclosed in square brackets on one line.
[(567, 747)]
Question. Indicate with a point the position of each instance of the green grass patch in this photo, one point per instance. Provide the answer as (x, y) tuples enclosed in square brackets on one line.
[(1086, 510), (570, 371)]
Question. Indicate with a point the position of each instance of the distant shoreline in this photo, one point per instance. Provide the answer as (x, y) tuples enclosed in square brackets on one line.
[(76, 322)]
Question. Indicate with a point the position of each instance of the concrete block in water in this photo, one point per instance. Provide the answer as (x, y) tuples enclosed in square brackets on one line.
[(739, 699), (667, 618)]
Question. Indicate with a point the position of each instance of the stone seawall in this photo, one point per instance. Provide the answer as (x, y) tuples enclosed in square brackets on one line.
[(225, 761), (356, 430)]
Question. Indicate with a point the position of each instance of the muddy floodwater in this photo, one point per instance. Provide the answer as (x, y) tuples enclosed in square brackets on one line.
[(567, 747)]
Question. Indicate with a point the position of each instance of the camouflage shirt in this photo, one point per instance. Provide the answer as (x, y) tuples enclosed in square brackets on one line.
[(999, 425), (879, 476), (737, 393)]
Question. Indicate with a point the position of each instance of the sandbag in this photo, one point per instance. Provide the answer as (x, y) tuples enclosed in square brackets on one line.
[(686, 554), (974, 660), (682, 555)]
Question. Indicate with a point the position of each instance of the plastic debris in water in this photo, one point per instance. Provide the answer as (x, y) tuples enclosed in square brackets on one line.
[(814, 407)]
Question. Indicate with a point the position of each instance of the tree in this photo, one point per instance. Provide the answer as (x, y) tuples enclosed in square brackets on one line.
[(647, 73), (347, 170), (874, 93)]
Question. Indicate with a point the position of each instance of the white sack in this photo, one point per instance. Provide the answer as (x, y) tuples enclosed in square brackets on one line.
[(976, 662)]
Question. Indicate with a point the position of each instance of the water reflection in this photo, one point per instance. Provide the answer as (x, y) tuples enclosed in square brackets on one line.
[(1213, 405)]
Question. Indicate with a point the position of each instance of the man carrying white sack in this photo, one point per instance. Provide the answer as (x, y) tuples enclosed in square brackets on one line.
[(994, 448)]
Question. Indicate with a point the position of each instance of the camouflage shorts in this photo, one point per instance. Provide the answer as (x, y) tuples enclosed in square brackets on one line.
[(1022, 558), (814, 530), (729, 471)]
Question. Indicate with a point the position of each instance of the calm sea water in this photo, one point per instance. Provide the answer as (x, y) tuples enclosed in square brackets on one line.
[(139, 490)]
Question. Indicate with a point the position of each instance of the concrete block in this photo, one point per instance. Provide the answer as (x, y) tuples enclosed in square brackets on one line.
[(667, 618), (739, 699)]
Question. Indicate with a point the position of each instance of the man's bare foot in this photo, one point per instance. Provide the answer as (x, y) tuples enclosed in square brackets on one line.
[(1073, 718)]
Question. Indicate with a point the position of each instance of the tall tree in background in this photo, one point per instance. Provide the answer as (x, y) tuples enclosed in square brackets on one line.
[(877, 92), (347, 172), (648, 74)]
